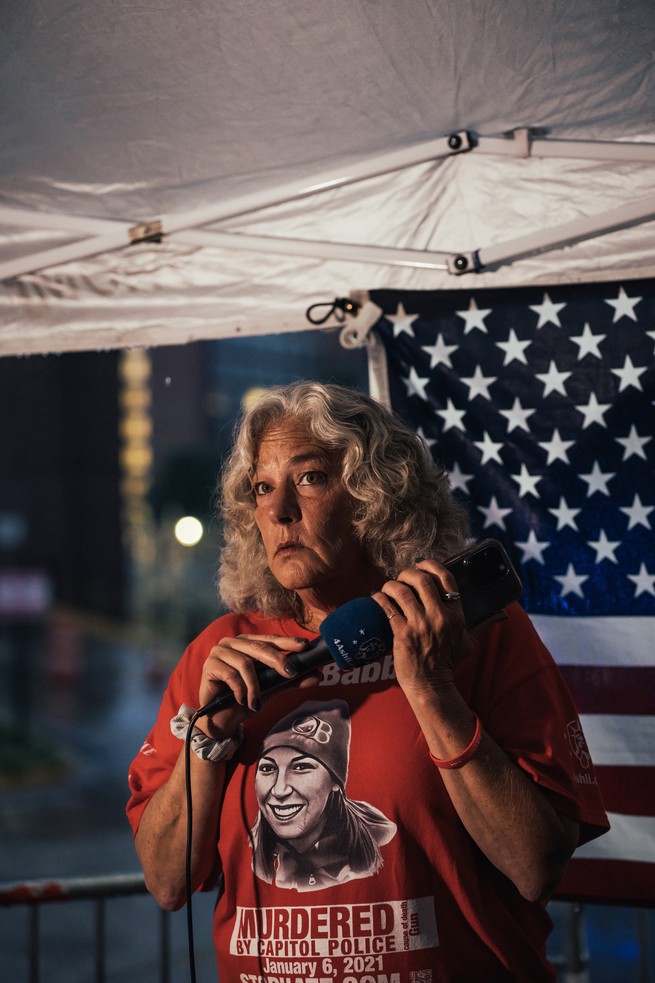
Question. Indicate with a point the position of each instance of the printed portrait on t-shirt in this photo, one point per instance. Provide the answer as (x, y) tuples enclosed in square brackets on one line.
[(308, 834)]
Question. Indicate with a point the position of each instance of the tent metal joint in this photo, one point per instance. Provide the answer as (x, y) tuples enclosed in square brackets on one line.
[(461, 263), (522, 140), (146, 232), (459, 142)]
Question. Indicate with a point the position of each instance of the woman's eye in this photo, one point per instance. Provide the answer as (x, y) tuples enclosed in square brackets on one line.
[(261, 488), (266, 769), (304, 766), (312, 478)]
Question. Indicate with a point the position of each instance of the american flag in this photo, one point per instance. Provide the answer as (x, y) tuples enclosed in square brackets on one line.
[(540, 402)]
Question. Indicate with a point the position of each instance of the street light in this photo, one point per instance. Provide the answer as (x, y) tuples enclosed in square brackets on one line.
[(188, 530)]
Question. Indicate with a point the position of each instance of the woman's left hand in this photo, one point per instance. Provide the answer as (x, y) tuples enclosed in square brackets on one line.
[(430, 635)]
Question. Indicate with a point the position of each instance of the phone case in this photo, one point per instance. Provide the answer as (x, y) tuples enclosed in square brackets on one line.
[(486, 579)]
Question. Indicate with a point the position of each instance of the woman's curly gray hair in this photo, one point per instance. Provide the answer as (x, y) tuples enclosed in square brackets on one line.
[(404, 508)]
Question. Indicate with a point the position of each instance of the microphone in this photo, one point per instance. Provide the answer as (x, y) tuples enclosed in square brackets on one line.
[(354, 634)]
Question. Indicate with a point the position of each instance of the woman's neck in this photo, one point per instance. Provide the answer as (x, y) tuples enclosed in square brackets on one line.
[(315, 605)]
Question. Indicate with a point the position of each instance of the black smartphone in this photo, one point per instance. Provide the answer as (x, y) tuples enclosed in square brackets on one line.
[(486, 579)]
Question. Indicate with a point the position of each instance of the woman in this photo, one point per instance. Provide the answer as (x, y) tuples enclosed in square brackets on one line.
[(459, 739), (308, 833)]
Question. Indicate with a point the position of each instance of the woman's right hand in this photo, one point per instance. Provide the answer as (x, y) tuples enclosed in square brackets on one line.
[(232, 665)]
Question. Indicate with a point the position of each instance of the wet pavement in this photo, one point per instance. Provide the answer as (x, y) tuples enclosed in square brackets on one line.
[(93, 697)]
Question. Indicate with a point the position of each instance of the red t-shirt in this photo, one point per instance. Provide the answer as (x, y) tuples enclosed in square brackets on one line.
[(363, 872)]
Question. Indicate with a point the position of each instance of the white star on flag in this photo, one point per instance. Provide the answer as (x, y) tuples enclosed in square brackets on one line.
[(588, 342), (633, 444), (548, 312), (605, 549), (452, 417), (514, 349), (428, 441), (415, 384), (439, 353), (572, 582), (527, 482), (597, 480), (494, 515), (624, 306), (478, 384), (489, 449), (644, 581), (402, 322), (593, 412), (565, 516), (532, 548), (637, 513), (474, 317), (557, 448), (517, 416), (458, 479), (554, 380), (629, 374)]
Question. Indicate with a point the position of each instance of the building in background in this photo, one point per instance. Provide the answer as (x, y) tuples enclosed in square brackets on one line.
[(102, 453), (59, 491)]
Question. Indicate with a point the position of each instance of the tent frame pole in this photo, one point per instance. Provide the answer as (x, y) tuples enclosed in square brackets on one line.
[(525, 142), (115, 235), (586, 227), (107, 235)]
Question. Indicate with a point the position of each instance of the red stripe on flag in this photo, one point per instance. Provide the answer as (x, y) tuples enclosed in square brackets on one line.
[(628, 790), (612, 689), (609, 882)]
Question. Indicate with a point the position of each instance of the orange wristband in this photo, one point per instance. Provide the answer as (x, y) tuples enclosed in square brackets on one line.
[(467, 754)]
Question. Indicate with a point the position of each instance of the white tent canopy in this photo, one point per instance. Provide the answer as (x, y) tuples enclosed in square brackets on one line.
[(291, 151)]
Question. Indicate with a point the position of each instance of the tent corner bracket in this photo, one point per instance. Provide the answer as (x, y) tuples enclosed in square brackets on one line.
[(355, 334)]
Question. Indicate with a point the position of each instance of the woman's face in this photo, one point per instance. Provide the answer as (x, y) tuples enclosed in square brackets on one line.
[(292, 790), (304, 515)]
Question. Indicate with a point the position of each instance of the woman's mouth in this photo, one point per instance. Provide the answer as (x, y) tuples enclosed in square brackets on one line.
[(287, 548), (285, 812)]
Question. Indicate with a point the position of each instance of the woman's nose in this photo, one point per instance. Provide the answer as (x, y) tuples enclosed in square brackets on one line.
[(283, 505), (281, 788)]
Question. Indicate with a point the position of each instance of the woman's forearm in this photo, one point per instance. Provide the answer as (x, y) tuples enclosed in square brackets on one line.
[(161, 838), (506, 814)]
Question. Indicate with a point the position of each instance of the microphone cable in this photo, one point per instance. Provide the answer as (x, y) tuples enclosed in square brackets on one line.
[(202, 712), (189, 842)]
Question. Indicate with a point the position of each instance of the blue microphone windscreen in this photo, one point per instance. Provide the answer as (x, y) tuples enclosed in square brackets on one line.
[(357, 632)]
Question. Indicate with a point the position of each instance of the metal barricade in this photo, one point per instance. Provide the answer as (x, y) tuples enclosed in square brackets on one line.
[(98, 890)]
